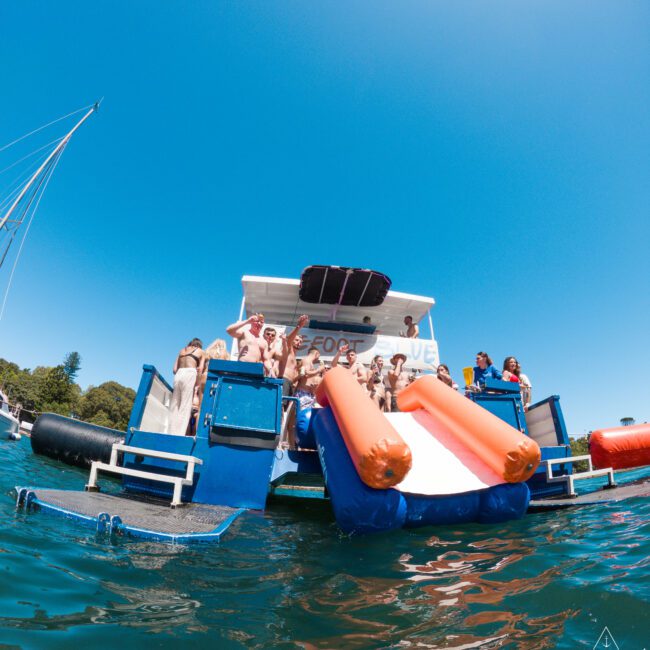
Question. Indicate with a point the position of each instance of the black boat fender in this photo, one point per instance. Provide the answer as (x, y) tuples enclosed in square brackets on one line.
[(72, 441)]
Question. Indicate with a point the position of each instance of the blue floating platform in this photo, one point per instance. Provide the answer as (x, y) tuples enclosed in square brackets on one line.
[(124, 514)]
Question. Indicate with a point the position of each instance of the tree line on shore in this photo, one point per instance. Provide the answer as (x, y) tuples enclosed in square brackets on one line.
[(52, 389)]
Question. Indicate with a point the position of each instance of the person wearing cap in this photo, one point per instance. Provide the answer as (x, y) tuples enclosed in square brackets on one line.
[(252, 347), (398, 379)]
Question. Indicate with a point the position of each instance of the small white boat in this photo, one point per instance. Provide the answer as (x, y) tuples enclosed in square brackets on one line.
[(9, 425)]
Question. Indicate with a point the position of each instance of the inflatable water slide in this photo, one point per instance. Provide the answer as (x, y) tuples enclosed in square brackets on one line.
[(442, 460)]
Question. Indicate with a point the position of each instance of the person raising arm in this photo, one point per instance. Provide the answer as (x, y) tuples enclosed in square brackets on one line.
[(251, 346)]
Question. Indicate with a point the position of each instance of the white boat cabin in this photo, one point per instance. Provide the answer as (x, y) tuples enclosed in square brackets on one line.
[(337, 299)]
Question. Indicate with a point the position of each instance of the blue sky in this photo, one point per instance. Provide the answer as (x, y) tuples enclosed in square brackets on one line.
[(491, 155)]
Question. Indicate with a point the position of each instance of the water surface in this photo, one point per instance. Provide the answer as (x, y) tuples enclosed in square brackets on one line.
[(290, 579)]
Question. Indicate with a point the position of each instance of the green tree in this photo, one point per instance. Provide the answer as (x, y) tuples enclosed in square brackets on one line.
[(108, 405), (580, 447), (72, 365), (56, 393)]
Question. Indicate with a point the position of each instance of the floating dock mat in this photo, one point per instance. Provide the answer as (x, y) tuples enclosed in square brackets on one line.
[(127, 514), (604, 495)]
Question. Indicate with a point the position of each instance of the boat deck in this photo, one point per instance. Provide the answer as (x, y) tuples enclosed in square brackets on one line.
[(639, 488), (136, 516)]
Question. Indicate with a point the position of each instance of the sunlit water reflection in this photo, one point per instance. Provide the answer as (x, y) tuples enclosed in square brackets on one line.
[(290, 579)]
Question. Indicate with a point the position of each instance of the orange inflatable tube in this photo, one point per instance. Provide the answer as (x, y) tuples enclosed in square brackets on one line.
[(381, 457), (621, 447), (510, 453)]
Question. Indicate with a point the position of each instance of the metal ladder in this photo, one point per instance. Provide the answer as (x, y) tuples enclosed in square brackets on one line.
[(571, 478), (113, 468)]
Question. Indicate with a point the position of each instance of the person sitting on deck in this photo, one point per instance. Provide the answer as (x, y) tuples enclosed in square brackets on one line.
[(398, 379), (309, 378), (484, 369), (376, 385), (251, 346), (443, 374), (187, 367), (412, 330), (287, 363), (354, 365)]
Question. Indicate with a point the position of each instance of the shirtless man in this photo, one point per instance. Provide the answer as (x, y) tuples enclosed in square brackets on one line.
[(309, 377), (275, 350), (252, 347), (355, 366), (287, 367), (412, 330), (398, 379)]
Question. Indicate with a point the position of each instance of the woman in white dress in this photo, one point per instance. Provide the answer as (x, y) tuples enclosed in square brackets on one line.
[(187, 368)]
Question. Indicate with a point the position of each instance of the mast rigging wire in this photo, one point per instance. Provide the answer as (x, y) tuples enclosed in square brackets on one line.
[(2, 171), (40, 128), (47, 177)]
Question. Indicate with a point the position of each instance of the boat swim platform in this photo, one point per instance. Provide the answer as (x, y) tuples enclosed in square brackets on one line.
[(640, 488), (124, 513)]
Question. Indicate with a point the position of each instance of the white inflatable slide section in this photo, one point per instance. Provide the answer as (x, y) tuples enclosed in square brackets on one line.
[(442, 465)]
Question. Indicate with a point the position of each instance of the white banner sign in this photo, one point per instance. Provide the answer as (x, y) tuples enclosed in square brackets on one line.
[(420, 353)]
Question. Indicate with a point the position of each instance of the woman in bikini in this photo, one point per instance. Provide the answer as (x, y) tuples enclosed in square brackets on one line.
[(188, 366)]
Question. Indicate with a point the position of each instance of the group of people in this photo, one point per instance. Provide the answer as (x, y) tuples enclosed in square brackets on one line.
[(302, 376), (485, 369)]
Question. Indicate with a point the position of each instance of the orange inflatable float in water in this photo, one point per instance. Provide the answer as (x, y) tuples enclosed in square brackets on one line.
[(621, 447)]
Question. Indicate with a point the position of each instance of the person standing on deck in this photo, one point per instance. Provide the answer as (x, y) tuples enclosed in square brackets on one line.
[(187, 367), (251, 346), (412, 330), (275, 350), (287, 366), (354, 365), (398, 379), (376, 384), (310, 376)]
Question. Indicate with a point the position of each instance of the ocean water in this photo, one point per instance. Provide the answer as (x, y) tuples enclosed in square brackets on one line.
[(290, 579)]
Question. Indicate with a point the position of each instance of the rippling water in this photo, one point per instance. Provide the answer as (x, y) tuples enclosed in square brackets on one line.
[(290, 579)]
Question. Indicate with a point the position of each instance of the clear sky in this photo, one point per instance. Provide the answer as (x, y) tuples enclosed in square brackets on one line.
[(493, 155)]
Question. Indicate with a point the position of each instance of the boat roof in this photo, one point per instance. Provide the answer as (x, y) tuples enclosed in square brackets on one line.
[(279, 300)]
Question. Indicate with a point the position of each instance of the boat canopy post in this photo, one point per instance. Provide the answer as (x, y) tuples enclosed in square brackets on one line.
[(430, 324)]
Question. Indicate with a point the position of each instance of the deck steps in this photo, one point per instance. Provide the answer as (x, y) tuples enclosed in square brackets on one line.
[(113, 467)]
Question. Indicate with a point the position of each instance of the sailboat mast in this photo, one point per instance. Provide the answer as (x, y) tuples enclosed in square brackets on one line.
[(57, 150)]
